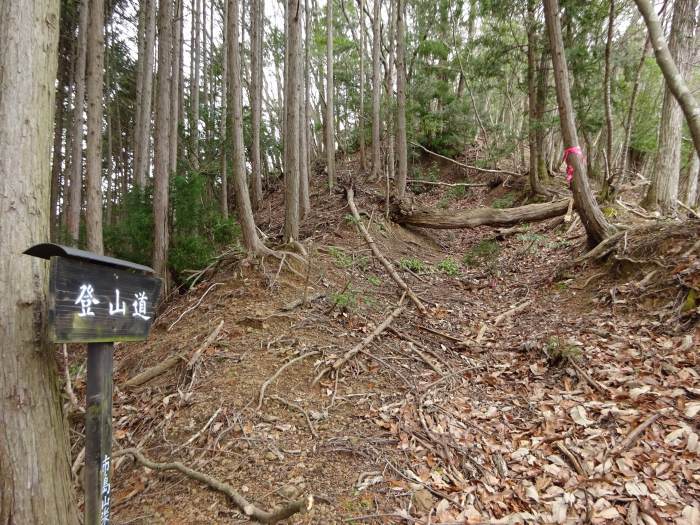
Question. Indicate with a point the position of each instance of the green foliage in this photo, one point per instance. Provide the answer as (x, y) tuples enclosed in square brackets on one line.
[(484, 251), (506, 201), (350, 219), (342, 259), (449, 266), (413, 264), (430, 175), (130, 237), (373, 279), (346, 300), (559, 351), (531, 240)]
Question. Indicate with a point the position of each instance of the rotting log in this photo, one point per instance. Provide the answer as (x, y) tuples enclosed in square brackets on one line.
[(455, 219)]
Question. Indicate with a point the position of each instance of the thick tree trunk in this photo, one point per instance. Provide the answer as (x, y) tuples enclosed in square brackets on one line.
[(95, 79), (35, 484), (142, 138), (663, 191), (251, 241), (455, 219), (291, 135), (256, 85), (401, 145), (305, 118), (597, 227), (607, 100), (690, 181), (75, 195), (540, 103), (330, 122), (376, 93), (224, 116), (162, 138), (535, 153), (674, 79), (176, 91)]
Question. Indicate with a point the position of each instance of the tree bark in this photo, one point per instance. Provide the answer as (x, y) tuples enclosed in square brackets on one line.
[(533, 123), (142, 138), (663, 191), (455, 219), (690, 181), (291, 135), (195, 36), (376, 93), (162, 139), (176, 91), (674, 79), (607, 100), (330, 122), (361, 109), (95, 81), (35, 484), (401, 145), (224, 114), (256, 77), (251, 241), (540, 103), (597, 227), (305, 117)]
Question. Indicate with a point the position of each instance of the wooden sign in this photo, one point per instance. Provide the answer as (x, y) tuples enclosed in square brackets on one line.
[(91, 302)]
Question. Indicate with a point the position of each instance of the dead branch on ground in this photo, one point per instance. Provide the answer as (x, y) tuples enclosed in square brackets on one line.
[(475, 168), (264, 386), (250, 510), (385, 262)]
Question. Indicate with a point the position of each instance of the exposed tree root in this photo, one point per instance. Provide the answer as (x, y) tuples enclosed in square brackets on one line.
[(264, 386), (250, 510), (383, 260), (454, 219)]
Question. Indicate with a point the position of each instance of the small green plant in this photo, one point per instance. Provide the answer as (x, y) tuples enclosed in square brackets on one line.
[(531, 240), (430, 175), (485, 250), (457, 192), (413, 264), (506, 201), (559, 351), (558, 244), (373, 279), (449, 266), (350, 219), (346, 300), (342, 259)]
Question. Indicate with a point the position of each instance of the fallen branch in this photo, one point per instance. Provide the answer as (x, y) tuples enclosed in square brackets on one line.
[(264, 386), (300, 409), (455, 219), (340, 362), (516, 309), (193, 307), (385, 262), (467, 166), (586, 377), (250, 510), (164, 366), (202, 430), (451, 184), (195, 357), (636, 432)]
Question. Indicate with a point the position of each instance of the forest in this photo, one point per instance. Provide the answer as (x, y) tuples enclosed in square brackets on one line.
[(419, 263)]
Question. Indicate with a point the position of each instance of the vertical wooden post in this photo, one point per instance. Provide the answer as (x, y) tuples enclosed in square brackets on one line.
[(98, 433)]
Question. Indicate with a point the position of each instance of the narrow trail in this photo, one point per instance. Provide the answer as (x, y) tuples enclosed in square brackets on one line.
[(515, 398)]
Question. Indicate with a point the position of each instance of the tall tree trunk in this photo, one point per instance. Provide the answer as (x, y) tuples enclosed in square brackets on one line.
[(401, 146), (162, 138), (663, 191), (533, 123), (75, 199), (291, 135), (95, 78), (176, 93), (256, 82), (361, 111), (35, 484), (540, 103), (251, 241), (690, 180), (389, 88), (304, 203), (142, 138), (597, 227), (58, 134), (607, 100), (330, 122), (224, 114), (376, 93), (304, 198), (624, 163), (194, 81), (109, 157)]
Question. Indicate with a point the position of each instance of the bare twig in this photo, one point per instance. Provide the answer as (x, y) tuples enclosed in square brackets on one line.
[(516, 309), (263, 387), (449, 184), (250, 510), (383, 260), (212, 337), (299, 302), (300, 409), (202, 430), (193, 307), (69, 384), (476, 168)]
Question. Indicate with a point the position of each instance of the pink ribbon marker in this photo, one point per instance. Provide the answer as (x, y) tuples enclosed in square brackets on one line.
[(569, 168)]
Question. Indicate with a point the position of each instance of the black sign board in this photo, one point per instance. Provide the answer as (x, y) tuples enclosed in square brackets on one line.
[(91, 302), (97, 300)]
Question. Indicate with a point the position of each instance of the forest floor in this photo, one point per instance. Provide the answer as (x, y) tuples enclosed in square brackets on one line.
[(533, 390)]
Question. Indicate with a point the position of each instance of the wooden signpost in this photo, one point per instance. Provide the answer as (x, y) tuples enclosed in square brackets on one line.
[(97, 300)]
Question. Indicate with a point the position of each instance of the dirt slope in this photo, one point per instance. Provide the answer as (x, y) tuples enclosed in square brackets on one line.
[(458, 416)]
